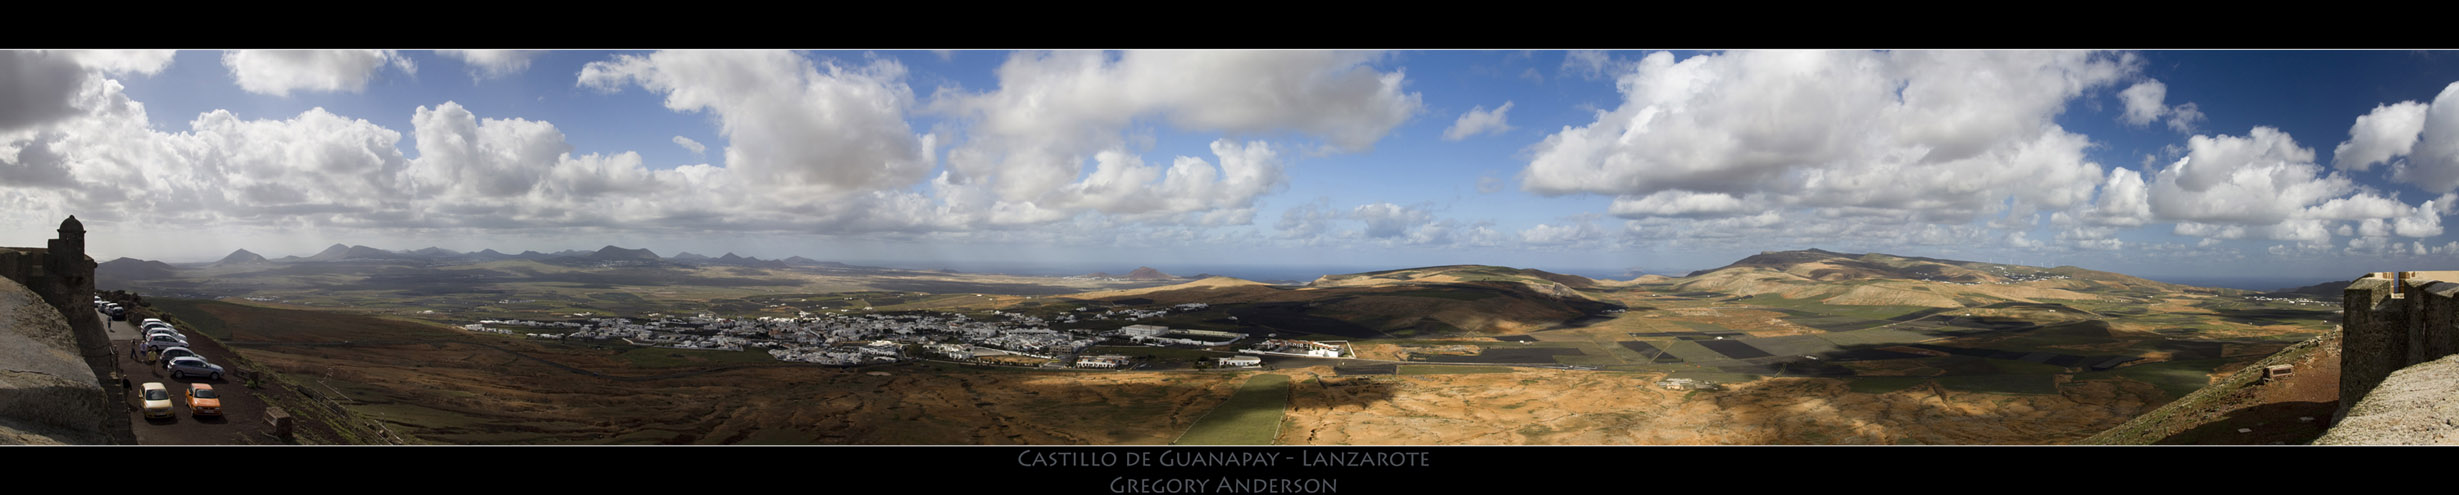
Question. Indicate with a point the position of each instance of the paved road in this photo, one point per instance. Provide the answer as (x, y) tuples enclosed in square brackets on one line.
[(243, 414)]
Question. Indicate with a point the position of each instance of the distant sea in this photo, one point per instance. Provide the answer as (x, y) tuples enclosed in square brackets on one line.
[(2248, 283)]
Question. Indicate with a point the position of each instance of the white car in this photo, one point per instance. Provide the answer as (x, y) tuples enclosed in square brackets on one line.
[(193, 366)]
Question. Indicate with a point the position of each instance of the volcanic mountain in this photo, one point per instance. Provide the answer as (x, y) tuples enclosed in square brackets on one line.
[(612, 253), (134, 269), (1143, 273), (241, 257), (339, 252), (490, 255)]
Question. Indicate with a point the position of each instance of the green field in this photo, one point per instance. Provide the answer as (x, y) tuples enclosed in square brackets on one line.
[(1251, 417)]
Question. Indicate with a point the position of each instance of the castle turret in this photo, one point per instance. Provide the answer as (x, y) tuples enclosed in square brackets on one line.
[(63, 276)]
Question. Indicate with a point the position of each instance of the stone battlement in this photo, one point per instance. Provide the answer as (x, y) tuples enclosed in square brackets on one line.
[(62, 276), (2393, 320)]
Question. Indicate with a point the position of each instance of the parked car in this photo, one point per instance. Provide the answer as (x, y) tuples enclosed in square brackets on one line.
[(157, 400), (157, 326), (158, 342), (202, 401), (179, 352), (153, 321), (174, 334), (192, 366)]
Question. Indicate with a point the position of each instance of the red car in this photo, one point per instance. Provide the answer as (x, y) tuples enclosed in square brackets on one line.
[(202, 401)]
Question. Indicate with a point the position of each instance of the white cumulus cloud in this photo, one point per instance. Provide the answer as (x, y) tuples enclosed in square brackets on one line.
[(2435, 164), (1682, 204), (2145, 101), (2389, 131), (278, 72), (1386, 220), (2123, 201), (689, 144), (2263, 178), (825, 127), (123, 62), (1479, 121), (491, 64), (1938, 136), (1029, 141)]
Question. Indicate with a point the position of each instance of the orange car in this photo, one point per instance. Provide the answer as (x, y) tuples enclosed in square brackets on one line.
[(202, 401)]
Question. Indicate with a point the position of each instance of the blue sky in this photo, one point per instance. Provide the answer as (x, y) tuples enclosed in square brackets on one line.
[(2161, 163)]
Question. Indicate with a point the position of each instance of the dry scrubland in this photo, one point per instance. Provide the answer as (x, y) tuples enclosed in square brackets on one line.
[(464, 394), (1968, 342), (1552, 407)]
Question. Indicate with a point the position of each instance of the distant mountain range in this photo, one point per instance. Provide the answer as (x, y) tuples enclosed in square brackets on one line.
[(1827, 276), (614, 255), (134, 269)]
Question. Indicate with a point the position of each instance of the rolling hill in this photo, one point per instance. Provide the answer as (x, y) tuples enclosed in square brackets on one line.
[(1886, 280), (1429, 301)]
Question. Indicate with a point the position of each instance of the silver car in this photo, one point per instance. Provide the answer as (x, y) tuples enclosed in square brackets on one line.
[(193, 366), (179, 352), (157, 342), (173, 334)]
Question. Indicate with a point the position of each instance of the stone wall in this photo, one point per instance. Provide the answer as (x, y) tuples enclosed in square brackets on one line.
[(48, 395), (2393, 320), (60, 276)]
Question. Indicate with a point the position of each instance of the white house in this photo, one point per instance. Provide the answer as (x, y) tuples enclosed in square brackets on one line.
[(1144, 330)]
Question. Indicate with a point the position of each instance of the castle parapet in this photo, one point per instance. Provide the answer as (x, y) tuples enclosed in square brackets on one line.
[(2393, 320)]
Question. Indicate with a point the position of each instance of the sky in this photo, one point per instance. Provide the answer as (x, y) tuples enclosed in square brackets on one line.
[(2165, 164)]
